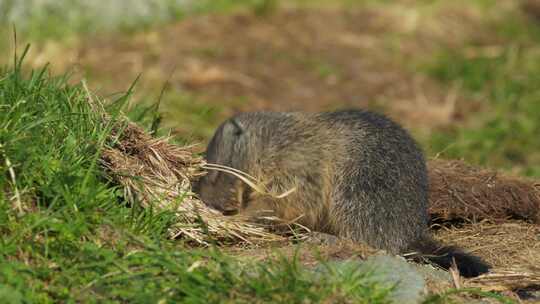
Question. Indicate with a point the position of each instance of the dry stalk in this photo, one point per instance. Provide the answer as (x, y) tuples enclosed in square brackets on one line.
[(17, 196), (251, 181), (505, 280), (156, 173)]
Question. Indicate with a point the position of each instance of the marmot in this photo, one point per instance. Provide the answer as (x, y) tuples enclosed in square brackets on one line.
[(355, 174)]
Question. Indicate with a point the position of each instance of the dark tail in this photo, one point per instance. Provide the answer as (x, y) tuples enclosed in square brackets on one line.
[(468, 265)]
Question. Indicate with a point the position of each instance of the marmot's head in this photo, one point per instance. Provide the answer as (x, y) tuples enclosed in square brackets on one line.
[(228, 147), (246, 142)]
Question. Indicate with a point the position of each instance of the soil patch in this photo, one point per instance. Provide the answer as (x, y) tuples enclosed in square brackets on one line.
[(297, 59)]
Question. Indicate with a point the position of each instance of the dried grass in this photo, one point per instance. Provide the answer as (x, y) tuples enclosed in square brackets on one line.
[(461, 191), (511, 248), (512, 243), (504, 280), (157, 173), (502, 214)]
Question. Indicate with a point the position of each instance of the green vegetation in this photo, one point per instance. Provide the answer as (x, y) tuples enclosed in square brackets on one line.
[(67, 234), (506, 80), (190, 116)]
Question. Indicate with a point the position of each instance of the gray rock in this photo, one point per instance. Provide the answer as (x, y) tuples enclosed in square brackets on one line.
[(408, 283)]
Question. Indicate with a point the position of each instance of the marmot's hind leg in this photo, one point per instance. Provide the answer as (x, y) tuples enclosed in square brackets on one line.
[(364, 218)]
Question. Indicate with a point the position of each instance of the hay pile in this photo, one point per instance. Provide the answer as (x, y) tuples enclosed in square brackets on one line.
[(154, 172), (512, 248), (157, 174), (461, 191)]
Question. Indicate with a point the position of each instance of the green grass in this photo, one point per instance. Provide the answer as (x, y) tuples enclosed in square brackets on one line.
[(179, 112), (504, 134), (75, 239), (191, 116)]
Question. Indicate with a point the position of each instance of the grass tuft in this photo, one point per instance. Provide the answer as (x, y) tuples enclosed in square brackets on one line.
[(70, 236), (506, 80)]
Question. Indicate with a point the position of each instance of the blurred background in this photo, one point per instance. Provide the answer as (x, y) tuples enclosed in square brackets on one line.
[(462, 75)]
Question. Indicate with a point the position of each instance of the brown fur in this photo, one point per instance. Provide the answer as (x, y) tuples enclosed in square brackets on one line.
[(357, 175)]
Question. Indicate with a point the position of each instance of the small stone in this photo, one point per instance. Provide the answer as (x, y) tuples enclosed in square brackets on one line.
[(408, 284)]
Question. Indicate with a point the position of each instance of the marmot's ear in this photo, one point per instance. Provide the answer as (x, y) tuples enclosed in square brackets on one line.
[(238, 127)]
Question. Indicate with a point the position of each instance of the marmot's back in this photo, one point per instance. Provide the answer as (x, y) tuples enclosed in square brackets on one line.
[(382, 180), (357, 174)]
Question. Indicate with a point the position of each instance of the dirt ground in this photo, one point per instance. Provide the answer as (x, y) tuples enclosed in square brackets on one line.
[(293, 59)]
